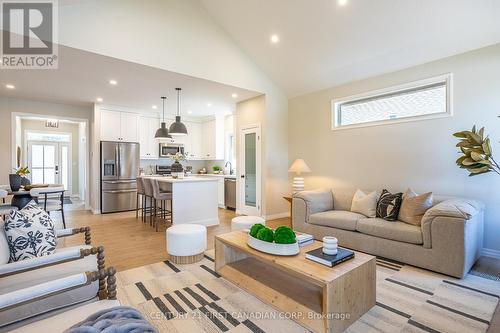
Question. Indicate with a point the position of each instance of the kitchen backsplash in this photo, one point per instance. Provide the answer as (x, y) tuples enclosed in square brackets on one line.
[(197, 165)]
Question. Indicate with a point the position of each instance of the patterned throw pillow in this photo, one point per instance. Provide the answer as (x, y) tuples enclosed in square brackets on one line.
[(388, 205), (30, 233)]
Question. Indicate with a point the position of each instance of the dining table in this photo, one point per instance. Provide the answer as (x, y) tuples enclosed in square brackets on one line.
[(20, 198)]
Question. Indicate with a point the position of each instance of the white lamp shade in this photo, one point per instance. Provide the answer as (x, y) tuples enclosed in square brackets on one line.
[(299, 166)]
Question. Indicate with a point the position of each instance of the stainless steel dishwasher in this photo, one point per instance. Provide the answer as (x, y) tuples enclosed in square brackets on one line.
[(230, 193)]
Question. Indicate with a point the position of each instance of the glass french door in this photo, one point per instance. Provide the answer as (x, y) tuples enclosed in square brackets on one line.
[(49, 163), (250, 178)]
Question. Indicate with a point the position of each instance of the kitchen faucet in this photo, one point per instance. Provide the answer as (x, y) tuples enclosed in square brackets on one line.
[(230, 167)]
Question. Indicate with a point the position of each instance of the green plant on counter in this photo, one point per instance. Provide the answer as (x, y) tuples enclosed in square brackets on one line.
[(266, 235), (255, 229), (284, 235), (22, 171), (476, 152), (216, 168)]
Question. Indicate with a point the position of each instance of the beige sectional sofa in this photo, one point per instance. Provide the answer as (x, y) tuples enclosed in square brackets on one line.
[(448, 241)]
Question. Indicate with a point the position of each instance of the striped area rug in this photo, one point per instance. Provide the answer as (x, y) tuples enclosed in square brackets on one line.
[(194, 298)]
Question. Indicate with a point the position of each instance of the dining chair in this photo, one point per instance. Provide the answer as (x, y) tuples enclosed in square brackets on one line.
[(5, 208), (148, 193), (52, 199), (162, 198)]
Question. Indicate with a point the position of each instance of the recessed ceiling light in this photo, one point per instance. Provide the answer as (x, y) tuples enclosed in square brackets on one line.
[(234, 95), (209, 104), (189, 111), (154, 107), (342, 2), (10, 86), (274, 39), (99, 99), (113, 82)]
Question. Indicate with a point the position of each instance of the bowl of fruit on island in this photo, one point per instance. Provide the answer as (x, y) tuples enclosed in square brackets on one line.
[(280, 242)]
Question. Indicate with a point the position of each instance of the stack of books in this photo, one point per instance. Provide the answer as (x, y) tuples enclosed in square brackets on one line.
[(328, 260), (304, 239)]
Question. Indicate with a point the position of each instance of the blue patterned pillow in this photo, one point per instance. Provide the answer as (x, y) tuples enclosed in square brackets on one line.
[(30, 233)]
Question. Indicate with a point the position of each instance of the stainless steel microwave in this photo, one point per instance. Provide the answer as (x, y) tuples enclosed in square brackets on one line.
[(171, 149)]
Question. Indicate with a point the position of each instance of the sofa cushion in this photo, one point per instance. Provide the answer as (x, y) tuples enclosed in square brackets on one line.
[(414, 207), (365, 204), (388, 205), (396, 230), (30, 233), (337, 219)]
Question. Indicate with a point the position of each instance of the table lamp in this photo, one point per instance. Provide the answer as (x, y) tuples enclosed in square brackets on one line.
[(299, 167)]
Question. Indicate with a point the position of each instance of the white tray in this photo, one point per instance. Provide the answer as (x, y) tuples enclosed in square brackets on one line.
[(273, 248)]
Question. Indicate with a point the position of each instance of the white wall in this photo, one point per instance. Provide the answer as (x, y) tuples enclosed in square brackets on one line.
[(64, 127), (418, 154), (180, 36), (14, 105)]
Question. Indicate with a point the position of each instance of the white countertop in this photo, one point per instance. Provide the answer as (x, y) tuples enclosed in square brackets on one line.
[(189, 179), (214, 175)]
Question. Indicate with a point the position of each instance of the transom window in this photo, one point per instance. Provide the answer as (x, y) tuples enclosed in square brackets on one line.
[(424, 99)]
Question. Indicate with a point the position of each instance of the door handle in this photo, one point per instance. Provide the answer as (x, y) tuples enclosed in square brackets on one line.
[(242, 176), (120, 191), (119, 181)]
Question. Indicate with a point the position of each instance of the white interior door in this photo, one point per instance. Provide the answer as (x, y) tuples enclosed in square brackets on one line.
[(250, 172), (50, 163)]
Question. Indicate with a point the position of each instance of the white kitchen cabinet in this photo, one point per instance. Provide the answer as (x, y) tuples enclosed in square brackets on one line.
[(220, 191), (119, 126), (213, 139), (148, 144), (110, 129)]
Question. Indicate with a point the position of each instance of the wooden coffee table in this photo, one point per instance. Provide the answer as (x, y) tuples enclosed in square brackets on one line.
[(321, 298)]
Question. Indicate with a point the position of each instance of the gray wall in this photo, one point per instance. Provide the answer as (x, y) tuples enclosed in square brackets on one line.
[(418, 154)]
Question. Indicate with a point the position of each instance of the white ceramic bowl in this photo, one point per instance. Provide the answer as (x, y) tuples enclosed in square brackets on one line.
[(273, 248)]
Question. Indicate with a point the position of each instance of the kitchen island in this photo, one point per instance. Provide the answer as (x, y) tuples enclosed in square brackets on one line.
[(194, 199)]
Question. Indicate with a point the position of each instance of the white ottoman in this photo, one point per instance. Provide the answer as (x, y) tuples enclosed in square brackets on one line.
[(186, 243), (245, 222)]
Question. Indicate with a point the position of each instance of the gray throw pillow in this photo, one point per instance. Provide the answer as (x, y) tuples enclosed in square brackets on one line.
[(30, 233)]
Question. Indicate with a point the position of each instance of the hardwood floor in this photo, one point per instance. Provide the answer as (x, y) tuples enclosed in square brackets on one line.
[(128, 242)]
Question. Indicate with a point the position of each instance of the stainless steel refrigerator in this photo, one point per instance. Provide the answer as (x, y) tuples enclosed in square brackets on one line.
[(119, 171)]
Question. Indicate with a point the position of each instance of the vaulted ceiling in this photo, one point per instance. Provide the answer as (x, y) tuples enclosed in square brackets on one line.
[(323, 43)]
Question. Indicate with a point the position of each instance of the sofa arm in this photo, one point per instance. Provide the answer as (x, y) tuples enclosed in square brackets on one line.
[(41, 291), (449, 211), (61, 256), (459, 208), (316, 201), (73, 231)]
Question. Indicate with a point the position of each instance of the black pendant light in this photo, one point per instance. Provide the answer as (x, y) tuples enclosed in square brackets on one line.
[(162, 132), (177, 127)]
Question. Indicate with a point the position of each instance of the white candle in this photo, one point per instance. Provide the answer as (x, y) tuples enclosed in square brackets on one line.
[(330, 245)]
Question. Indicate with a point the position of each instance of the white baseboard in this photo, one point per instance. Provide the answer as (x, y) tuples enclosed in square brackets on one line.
[(276, 216), (96, 211), (490, 253)]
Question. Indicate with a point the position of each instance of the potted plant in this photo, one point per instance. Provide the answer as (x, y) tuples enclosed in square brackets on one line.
[(476, 155), (176, 167), (216, 169), (19, 178)]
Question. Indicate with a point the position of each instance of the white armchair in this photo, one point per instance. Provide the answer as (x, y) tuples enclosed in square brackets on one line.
[(65, 262), (58, 320)]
